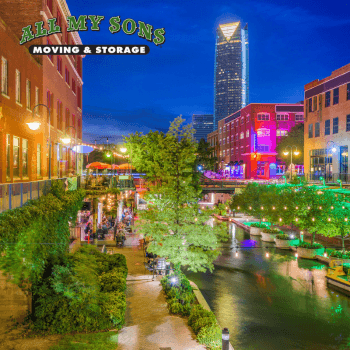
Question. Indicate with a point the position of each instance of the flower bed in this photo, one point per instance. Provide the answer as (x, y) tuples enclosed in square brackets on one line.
[(182, 301), (284, 241), (256, 228), (269, 234), (309, 251), (80, 292)]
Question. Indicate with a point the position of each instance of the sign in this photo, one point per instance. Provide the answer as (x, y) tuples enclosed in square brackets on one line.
[(263, 132)]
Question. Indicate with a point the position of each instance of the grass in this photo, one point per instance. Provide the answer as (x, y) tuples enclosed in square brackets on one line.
[(89, 341)]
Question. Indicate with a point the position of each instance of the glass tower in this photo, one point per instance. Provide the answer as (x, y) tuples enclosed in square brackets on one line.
[(203, 124), (231, 80)]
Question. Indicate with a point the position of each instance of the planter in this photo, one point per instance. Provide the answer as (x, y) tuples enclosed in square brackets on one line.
[(307, 253), (345, 261), (268, 237), (255, 231), (285, 243)]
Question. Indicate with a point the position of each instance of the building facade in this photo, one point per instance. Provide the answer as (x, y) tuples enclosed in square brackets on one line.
[(60, 90), (327, 126), (213, 140), (203, 124), (231, 76), (248, 139)]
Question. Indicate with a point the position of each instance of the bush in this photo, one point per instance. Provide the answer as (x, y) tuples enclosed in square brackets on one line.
[(204, 322), (211, 336), (283, 236), (175, 307), (259, 225), (111, 281), (339, 254), (114, 305), (273, 231), (309, 245), (197, 313)]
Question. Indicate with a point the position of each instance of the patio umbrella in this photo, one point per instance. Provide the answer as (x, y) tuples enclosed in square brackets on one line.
[(115, 166), (98, 165), (125, 166)]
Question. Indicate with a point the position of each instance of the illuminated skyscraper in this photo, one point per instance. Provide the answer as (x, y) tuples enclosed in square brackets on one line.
[(231, 85), (203, 124)]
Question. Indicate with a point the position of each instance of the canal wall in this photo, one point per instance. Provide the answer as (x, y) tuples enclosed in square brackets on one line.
[(201, 300)]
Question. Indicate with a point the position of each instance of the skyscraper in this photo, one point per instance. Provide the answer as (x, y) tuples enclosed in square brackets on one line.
[(231, 85), (203, 124)]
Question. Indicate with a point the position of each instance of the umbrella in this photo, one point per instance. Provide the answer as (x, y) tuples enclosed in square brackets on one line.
[(98, 165), (115, 166), (125, 166)]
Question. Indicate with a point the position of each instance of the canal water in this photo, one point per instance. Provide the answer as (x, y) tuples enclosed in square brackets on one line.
[(276, 302)]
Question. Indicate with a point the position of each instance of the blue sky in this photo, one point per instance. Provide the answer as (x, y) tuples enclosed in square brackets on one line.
[(291, 44)]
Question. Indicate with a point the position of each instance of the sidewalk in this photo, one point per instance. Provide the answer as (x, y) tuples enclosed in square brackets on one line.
[(148, 324)]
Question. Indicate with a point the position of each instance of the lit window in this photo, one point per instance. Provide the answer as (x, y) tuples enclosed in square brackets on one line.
[(4, 76), (247, 133), (280, 132), (38, 159), (18, 86), (24, 158), (299, 117), (15, 160), (242, 135), (28, 93)]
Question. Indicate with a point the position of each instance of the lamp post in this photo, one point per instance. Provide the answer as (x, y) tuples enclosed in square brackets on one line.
[(34, 125), (225, 339), (334, 149), (296, 153), (66, 140)]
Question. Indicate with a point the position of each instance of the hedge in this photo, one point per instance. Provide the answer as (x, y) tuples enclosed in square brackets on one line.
[(80, 292), (181, 300)]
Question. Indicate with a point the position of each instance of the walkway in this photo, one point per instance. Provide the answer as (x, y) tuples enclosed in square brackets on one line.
[(148, 324)]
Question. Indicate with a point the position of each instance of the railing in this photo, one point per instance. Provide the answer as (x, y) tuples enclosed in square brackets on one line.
[(15, 195), (329, 178)]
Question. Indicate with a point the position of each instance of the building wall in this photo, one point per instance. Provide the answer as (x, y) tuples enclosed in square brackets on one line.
[(13, 114), (213, 140), (57, 90), (250, 142), (319, 148)]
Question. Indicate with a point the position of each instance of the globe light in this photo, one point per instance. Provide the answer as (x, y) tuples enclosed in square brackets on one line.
[(296, 255), (108, 155), (238, 208), (267, 254), (273, 208), (123, 150), (33, 125), (334, 149), (236, 255), (296, 153), (286, 153), (296, 207), (66, 139), (325, 255), (280, 219), (292, 236)]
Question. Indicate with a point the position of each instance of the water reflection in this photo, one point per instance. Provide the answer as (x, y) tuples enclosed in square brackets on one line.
[(276, 302)]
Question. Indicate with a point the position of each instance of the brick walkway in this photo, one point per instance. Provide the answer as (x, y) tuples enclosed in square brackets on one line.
[(149, 326)]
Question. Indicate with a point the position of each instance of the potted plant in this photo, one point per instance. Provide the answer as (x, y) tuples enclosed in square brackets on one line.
[(269, 234), (255, 229), (285, 241), (309, 250)]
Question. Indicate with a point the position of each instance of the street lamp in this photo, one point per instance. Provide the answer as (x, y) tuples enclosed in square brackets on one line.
[(66, 139), (123, 150), (296, 153), (333, 149), (34, 125)]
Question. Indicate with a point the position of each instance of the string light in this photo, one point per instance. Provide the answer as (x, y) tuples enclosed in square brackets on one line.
[(313, 219), (250, 208), (236, 254), (263, 219), (296, 219), (296, 255), (296, 207), (273, 208), (195, 219), (280, 219), (343, 207), (332, 207), (325, 255), (346, 219), (308, 207), (285, 208), (267, 254), (320, 207), (262, 208)]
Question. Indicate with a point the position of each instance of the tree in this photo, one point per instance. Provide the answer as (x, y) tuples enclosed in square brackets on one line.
[(204, 155), (174, 222), (294, 138)]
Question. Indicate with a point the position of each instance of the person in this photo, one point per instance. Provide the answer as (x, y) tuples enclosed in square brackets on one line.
[(115, 231), (100, 232)]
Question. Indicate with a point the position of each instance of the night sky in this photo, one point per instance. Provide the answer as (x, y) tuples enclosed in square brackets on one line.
[(291, 44)]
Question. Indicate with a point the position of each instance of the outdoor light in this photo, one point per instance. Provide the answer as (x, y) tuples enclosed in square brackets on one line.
[(296, 153), (308, 207), (263, 219), (250, 208), (33, 125), (320, 207), (108, 155), (296, 219), (285, 208), (286, 153), (267, 254), (346, 219), (273, 208), (100, 148), (237, 207), (280, 219), (334, 149), (262, 208), (329, 219), (66, 139), (332, 207), (292, 236), (123, 149), (325, 255), (236, 254), (343, 207), (313, 219), (296, 207), (296, 255), (195, 219)]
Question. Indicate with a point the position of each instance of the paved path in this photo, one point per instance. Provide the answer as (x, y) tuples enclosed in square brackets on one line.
[(148, 324)]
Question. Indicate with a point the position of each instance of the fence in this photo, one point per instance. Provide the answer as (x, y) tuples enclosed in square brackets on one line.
[(329, 178), (15, 195)]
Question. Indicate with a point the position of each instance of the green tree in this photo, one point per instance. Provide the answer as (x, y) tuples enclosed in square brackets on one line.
[(204, 155), (175, 224), (294, 138)]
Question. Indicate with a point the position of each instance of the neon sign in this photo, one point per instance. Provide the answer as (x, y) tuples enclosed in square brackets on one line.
[(263, 132)]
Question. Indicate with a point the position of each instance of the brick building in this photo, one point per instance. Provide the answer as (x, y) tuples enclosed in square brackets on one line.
[(327, 126), (213, 140), (247, 139), (60, 89)]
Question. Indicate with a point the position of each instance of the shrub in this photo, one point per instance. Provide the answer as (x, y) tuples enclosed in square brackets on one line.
[(197, 313), (259, 225), (111, 281), (204, 322), (309, 245), (211, 336), (273, 230), (113, 305), (283, 236), (175, 307)]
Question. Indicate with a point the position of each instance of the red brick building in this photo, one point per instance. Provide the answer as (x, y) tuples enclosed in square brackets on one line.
[(60, 90), (248, 139)]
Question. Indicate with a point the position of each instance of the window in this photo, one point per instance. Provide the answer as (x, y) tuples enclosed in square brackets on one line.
[(348, 92), (48, 98), (315, 103), (299, 118), (223, 141), (335, 125), (228, 140), (310, 104), (220, 130), (49, 5), (263, 117), (280, 132), (247, 118), (223, 153), (311, 131), (36, 95), (67, 75), (328, 99), (73, 85), (282, 117), (242, 120), (24, 158), (224, 128), (232, 138), (79, 97), (38, 159), (336, 96), (4, 76), (67, 117), (59, 19), (59, 64), (317, 129), (237, 137), (18, 86), (327, 127), (49, 56), (59, 115), (348, 122), (247, 133), (15, 156), (28, 92), (263, 148), (242, 135), (8, 156)]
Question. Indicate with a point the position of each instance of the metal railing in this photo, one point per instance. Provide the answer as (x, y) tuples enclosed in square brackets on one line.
[(329, 178), (14, 195)]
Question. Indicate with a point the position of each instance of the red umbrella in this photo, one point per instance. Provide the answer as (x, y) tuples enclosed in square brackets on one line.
[(98, 165)]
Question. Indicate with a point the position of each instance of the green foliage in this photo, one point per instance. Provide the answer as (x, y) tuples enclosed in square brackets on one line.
[(339, 254), (283, 236), (259, 225), (309, 245), (112, 280), (29, 235), (211, 336), (204, 155), (114, 305), (272, 230), (200, 317)]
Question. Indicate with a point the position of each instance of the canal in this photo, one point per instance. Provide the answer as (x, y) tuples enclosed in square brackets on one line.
[(276, 302)]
